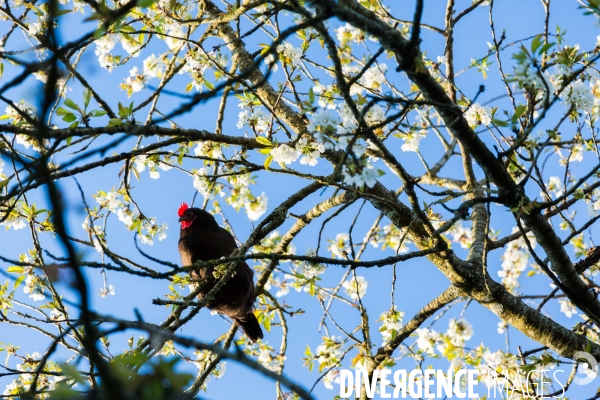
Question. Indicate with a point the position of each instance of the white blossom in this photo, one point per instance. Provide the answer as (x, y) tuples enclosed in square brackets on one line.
[(271, 62), (33, 286), (267, 360), (154, 174), (311, 270), (339, 248), (367, 176), (26, 108), (478, 114), (145, 239), (290, 54), (35, 27), (514, 260), (462, 235), (135, 82), (284, 154), (502, 325), (104, 46), (567, 308), (12, 387), (174, 30), (130, 45), (331, 377), (391, 323), (256, 118), (201, 184), (578, 95), (323, 121), (125, 216), (575, 154), (555, 186), (411, 141), (348, 33), (375, 115), (107, 291), (426, 340), (459, 331), (329, 351), (154, 67), (374, 77), (356, 288), (257, 207), (15, 219)]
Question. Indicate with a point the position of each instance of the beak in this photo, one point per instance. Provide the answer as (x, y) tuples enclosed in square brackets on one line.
[(186, 218)]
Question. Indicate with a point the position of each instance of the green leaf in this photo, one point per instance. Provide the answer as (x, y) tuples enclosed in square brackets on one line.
[(115, 122), (61, 12), (499, 122), (74, 124), (136, 173), (536, 43), (18, 281), (546, 47), (97, 113), (72, 373), (268, 161), (264, 141), (16, 269), (71, 104), (4, 183), (62, 111), (69, 118), (209, 85), (519, 110), (87, 95), (68, 140), (307, 352)]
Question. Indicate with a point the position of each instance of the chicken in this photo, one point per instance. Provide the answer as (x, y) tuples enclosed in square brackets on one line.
[(201, 238)]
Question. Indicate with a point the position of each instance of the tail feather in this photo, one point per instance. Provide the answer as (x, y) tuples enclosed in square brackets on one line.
[(250, 326)]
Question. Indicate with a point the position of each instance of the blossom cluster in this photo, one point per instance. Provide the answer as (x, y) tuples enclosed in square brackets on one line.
[(458, 332), (390, 236), (310, 152), (15, 219), (241, 196), (514, 261), (154, 163), (116, 203), (329, 352), (268, 358), (356, 287), (391, 324), (34, 286), (255, 117), (23, 107)]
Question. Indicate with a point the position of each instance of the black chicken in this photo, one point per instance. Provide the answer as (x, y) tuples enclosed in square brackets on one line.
[(201, 238)]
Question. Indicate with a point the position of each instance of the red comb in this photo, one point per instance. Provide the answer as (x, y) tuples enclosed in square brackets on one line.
[(182, 209)]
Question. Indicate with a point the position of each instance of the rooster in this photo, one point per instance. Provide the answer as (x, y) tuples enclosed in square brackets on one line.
[(201, 238)]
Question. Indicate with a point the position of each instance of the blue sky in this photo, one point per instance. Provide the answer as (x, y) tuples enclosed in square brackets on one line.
[(418, 280)]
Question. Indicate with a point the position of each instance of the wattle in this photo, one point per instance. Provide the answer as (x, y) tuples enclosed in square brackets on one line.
[(186, 224)]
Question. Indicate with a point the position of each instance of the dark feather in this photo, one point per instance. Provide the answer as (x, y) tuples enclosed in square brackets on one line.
[(205, 240)]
